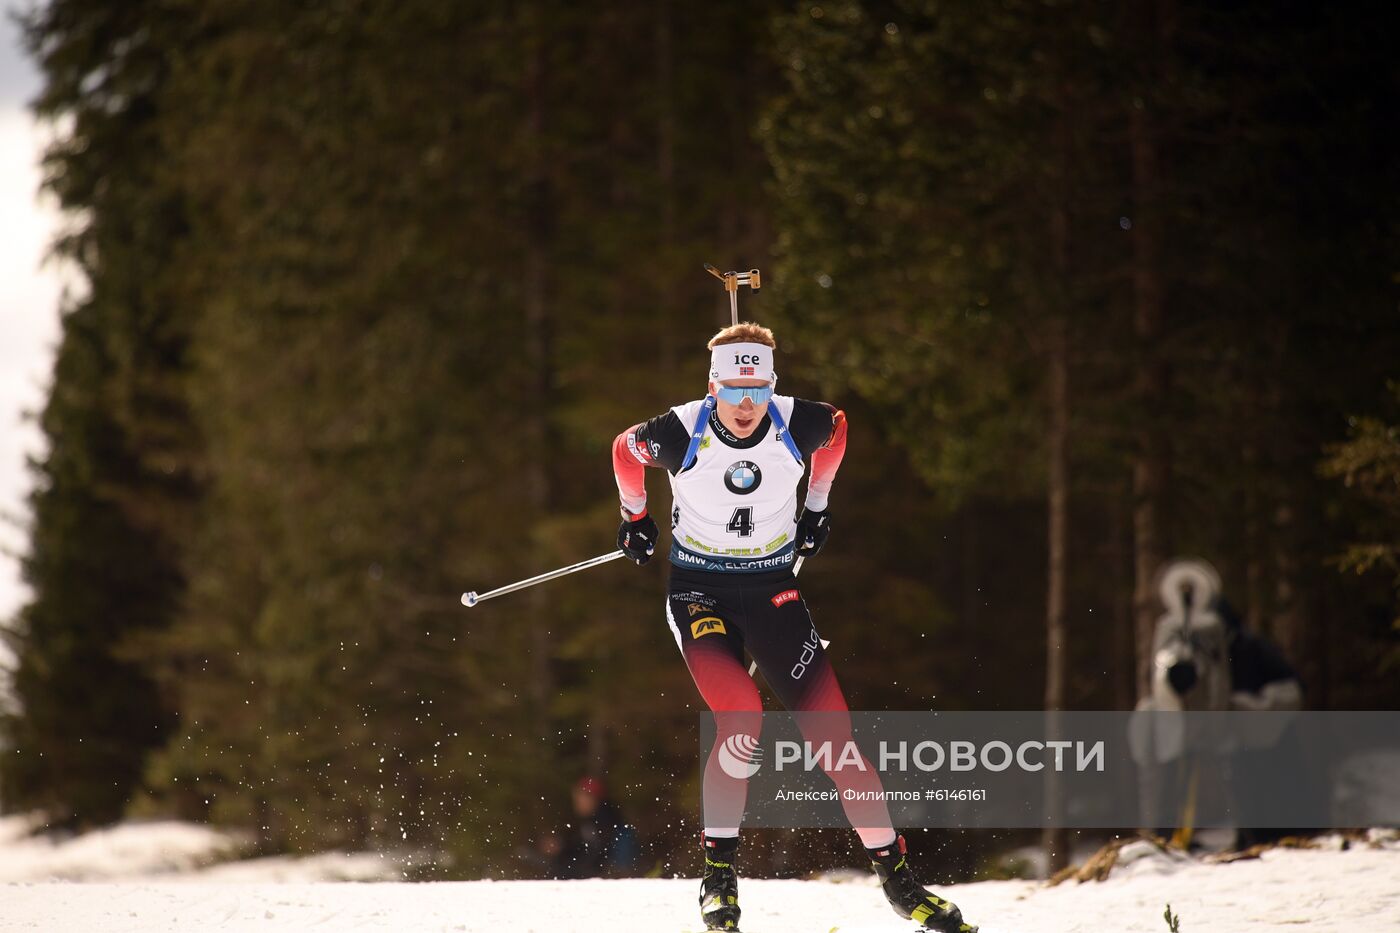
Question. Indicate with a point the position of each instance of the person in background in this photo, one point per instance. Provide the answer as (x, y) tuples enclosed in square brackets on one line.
[(597, 841), (1206, 661), (1260, 676), (1262, 680)]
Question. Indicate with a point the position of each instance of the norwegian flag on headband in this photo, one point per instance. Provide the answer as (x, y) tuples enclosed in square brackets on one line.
[(741, 361)]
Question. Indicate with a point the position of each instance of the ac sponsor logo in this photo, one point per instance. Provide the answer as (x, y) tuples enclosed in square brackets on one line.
[(710, 625), (786, 596), (696, 608), (752, 359)]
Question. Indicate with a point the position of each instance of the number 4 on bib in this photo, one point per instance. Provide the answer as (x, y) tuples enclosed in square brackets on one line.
[(741, 522)]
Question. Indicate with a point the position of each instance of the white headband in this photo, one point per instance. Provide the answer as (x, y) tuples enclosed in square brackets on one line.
[(741, 361)]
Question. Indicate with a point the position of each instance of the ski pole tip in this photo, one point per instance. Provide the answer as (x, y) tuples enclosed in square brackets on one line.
[(469, 599)]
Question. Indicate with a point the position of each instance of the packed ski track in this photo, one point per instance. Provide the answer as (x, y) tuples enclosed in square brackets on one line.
[(159, 878)]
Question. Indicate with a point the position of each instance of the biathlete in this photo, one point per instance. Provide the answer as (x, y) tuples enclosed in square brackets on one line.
[(735, 460)]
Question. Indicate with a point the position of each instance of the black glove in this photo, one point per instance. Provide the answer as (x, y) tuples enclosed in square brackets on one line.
[(812, 529), (637, 537)]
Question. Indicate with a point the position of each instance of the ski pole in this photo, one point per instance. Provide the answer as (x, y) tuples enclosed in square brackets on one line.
[(472, 598)]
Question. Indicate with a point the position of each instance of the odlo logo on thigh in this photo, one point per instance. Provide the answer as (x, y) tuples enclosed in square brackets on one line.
[(809, 654), (710, 625)]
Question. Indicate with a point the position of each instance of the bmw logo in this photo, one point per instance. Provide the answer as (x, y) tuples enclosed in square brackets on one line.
[(742, 477)]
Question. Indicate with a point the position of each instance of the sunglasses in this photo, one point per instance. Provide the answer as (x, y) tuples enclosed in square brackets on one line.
[(736, 394)]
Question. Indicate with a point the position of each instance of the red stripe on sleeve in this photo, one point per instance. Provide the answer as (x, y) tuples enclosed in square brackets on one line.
[(825, 461), (629, 469)]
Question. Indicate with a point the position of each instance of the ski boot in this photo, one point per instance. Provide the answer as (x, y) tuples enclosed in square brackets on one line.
[(908, 897), (719, 887)]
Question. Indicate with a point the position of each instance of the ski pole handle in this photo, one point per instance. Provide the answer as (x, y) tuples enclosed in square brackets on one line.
[(470, 599)]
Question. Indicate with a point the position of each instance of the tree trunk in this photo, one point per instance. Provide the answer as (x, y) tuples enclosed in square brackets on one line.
[(1151, 461), (971, 568), (1121, 558), (1287, 622), (1057, 448), (1254, 575), (538, 350), (1055, 838), (666, 179)]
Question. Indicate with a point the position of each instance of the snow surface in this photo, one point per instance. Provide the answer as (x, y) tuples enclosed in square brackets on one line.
[(157, 877), (168, 851)]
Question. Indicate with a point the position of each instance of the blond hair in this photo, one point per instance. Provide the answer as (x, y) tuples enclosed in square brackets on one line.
[(747, 332)]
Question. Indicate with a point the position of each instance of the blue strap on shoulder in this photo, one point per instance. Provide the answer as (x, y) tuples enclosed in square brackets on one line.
[(698, 433), (783, 433)]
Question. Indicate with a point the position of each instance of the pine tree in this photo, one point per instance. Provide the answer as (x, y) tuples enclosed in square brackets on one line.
[(114, 491), (1368, 462), (416, 272)]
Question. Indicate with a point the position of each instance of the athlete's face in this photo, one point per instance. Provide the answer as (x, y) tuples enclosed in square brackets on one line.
[(741, 419)]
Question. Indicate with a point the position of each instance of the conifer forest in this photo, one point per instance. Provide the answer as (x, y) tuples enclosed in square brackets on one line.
[(373, 286)]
